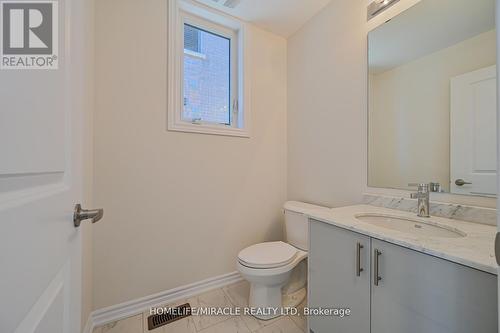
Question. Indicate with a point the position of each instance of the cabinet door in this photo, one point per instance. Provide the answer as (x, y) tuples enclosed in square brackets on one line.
[(420, 293), (333, 278)]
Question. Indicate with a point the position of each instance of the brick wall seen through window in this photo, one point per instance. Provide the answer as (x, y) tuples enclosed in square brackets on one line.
[(207, 71)]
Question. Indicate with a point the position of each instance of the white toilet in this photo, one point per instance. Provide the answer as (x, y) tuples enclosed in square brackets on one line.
[(277, 271)]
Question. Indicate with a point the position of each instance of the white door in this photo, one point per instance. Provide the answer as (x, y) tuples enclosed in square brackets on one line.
[(474, 133), (41, 112)]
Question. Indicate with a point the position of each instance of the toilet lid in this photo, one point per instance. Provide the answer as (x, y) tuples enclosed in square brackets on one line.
[(267, 255)]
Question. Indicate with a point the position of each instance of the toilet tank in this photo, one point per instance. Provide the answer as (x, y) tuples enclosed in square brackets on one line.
[(296, 223)]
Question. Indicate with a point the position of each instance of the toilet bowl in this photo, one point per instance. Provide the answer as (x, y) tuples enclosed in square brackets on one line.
[(277, 271)]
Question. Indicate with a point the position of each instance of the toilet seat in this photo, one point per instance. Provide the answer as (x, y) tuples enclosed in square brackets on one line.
[(268, 255), (246, 270)]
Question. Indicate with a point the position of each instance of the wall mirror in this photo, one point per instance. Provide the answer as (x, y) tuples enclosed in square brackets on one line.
[(432, 98)]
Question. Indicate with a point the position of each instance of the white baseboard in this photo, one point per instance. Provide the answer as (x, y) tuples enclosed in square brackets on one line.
[(134, 307)]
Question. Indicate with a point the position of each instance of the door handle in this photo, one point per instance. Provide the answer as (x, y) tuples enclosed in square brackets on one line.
[(358, 259), (83, 214), (461, 182), (376, 276)]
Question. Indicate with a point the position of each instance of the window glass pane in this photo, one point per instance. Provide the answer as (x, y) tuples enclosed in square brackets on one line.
[(206, 76)]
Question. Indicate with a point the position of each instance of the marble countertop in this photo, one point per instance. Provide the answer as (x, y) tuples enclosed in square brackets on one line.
[(475, 250)]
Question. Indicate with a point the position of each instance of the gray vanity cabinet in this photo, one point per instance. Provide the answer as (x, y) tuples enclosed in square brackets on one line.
[(334, 267), (421, 293), (398, 291)]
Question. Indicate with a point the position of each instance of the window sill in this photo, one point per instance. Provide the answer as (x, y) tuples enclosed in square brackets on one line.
[(209, 129), (195, 55)]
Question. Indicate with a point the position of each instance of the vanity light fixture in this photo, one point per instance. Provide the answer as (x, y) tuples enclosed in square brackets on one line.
[(378, 6)]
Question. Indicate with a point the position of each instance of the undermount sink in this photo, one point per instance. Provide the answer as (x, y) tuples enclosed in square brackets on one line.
[(410, 226)]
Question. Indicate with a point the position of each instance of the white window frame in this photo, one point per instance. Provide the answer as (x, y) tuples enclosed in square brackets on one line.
[(219, 30), (185, 11)]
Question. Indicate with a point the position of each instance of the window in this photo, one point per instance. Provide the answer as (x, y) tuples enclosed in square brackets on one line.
[(206, 72), (207, 77)]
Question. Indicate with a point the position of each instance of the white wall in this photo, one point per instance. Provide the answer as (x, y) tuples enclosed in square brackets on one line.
[(410, 114), (327, 106), (179, 207)]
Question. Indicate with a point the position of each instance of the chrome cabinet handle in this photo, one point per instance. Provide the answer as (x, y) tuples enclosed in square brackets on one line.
[(82, 214), (358, 259), (497, 248), (376, 276), (461, 182)]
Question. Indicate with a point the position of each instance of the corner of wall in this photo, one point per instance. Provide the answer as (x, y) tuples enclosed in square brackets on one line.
[(326, 109)]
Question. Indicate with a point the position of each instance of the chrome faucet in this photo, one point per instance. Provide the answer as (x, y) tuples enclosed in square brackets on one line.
[(423, 199)]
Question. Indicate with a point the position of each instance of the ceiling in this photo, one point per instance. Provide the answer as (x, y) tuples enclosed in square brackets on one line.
[(428, 27), (282, 17)]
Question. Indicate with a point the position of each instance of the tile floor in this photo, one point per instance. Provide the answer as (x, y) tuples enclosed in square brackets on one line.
[(235, 295)]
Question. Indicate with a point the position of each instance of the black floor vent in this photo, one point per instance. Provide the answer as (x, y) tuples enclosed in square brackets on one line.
[(159, 320)]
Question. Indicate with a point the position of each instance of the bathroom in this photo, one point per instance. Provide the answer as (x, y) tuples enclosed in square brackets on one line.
[(299, 204)]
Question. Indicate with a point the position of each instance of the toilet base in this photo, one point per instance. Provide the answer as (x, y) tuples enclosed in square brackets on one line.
[(288, 290), (265, 297)]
